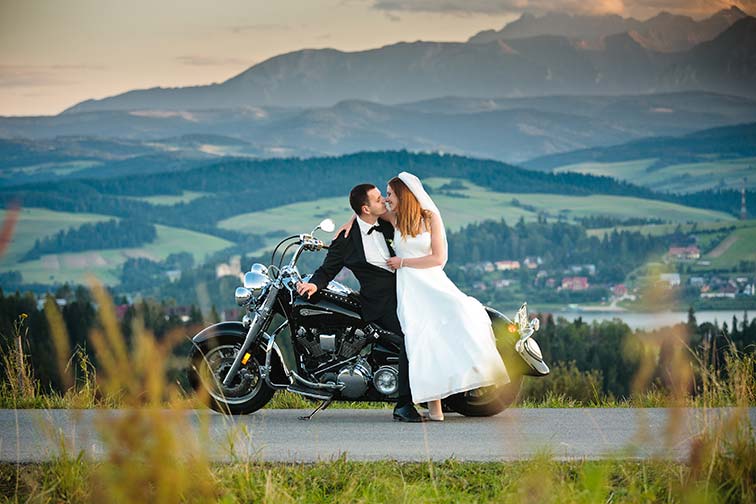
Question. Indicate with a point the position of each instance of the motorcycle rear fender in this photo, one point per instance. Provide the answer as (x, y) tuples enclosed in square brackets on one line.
[(236, 329)]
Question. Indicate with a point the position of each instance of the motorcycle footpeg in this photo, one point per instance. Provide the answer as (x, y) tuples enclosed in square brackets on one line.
[(322, 395)]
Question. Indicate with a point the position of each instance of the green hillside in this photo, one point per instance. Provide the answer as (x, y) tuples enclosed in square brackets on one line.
[(472, 204), (680, 178), (737, 246), (36, 223)]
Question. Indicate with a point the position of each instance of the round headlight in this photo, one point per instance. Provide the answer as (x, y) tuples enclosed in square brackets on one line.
[(242, 295), (255, 282)]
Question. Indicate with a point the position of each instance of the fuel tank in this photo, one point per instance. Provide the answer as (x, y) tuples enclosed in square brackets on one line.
[(327, 309)]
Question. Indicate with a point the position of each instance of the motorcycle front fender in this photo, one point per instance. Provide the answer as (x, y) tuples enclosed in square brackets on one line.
[(236, 330), (230, 328)]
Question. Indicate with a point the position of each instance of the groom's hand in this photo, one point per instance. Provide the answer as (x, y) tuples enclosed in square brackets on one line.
[(307, 288)]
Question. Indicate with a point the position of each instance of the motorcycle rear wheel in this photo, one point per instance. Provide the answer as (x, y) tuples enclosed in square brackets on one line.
[(246, 394), (486, 401)]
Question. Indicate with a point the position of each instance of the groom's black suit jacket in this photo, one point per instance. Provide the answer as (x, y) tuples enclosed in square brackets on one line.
[(377, 285)]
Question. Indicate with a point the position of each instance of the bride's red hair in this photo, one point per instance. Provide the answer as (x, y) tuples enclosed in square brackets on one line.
[(410, 216)]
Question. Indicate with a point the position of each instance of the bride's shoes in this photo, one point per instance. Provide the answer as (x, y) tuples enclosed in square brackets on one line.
[(435, 417)]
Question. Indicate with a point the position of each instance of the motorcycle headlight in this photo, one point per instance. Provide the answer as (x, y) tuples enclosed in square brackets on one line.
[(242, 295), (255, 282)]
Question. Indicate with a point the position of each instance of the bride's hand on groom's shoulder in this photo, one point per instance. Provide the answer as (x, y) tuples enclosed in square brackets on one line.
[(345, 228)]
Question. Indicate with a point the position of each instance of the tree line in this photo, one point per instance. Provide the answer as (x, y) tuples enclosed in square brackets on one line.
[(603, 349), (241, 186), (94, 236)]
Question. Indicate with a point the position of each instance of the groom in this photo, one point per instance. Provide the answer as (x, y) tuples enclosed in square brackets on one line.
[(366, 252)]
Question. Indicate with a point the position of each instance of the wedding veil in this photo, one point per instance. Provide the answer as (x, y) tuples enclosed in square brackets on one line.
[(426, 203)]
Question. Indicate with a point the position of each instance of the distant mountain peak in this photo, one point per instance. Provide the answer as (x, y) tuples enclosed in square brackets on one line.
[(664, 32)]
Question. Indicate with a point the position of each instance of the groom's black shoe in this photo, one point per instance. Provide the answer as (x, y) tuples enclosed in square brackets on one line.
[(407, 413)]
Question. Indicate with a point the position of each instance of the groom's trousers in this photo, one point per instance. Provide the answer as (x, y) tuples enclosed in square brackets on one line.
[(390, 322)]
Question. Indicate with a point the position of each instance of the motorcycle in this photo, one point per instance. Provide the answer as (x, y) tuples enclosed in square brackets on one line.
[(320, 347)]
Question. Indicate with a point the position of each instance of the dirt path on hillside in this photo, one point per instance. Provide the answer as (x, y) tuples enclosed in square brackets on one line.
[(723, 247)]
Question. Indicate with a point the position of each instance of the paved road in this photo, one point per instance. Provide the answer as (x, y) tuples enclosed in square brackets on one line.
[(277, 435)]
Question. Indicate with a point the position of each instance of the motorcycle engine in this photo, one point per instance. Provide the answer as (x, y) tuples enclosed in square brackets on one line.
[(356, 378), (343, 343)]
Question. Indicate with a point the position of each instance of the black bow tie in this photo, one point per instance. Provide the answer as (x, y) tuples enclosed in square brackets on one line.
[(376, 227)]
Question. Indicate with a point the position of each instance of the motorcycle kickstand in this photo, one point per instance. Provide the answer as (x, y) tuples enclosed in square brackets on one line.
[(321, 407)]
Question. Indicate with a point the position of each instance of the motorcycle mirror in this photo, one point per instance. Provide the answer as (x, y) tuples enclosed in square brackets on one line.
[(327, 225)]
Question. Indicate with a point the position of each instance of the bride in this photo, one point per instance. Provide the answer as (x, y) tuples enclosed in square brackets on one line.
[(448, 336)]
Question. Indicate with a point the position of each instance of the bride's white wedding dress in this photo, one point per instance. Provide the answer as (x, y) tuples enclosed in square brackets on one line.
[(448, 336)]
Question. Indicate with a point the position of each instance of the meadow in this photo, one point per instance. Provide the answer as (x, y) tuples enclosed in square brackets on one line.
[(680, 178), (472, 204), (103, 264), (169, 200)]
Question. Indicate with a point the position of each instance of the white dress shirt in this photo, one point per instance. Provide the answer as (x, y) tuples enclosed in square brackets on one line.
[(374, 244)]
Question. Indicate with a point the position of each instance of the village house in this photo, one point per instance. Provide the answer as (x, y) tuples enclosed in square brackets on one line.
[(697, 282), (689, 253), (232, 268), (502, 283), (727, 291), (507, 265), (577, 283), (671, 279), (532, 262), (619, 290), (589, 269)]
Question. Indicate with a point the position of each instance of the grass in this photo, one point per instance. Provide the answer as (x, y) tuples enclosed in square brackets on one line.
[(621, 169), (36, 223), (74, 267), (538, 480), (63, 168), (169, 200), (743, 249), (147, 457), (701, 228), (478, 204), (687, 177)]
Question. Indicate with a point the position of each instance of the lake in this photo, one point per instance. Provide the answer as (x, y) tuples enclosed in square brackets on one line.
[(649, 321)]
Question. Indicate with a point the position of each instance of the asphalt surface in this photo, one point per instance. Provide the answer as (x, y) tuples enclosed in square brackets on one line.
[(278, 435)]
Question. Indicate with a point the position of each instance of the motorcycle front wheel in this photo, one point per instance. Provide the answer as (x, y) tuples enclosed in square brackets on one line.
[(485, 401), (209, 363)]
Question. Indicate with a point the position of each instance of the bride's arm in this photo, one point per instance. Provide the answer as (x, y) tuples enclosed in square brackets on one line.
[(388, 216), (437, 257), (345, 228)]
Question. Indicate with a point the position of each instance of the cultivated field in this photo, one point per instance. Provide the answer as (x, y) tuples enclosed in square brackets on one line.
[(473, 204), (169, 200), (103, 264), (689, 177), (36, 223)]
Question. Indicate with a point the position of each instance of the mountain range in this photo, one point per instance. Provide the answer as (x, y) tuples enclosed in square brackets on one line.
[(537, 65), (664, 32), (507, 129)]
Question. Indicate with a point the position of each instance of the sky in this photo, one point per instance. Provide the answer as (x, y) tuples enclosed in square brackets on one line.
[(56, 53)]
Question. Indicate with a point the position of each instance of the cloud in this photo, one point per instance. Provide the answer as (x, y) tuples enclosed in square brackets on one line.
[(12, 76), (195, 60), (498, 7)]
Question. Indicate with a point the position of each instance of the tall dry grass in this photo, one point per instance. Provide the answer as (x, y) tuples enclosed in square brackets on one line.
[(149, 451)]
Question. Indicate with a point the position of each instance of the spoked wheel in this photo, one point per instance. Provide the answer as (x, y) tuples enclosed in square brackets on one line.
[(246, 393), (485, 401)]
